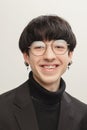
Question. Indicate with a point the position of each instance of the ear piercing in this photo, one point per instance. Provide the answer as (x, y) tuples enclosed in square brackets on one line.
[(27, 65)]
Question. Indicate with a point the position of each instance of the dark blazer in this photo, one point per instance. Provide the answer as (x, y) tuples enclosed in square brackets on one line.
[(17, 111)]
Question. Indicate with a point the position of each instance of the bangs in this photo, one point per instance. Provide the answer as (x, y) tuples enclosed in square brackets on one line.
[(47, 31)]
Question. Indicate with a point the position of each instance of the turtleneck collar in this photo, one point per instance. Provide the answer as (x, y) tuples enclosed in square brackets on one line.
[(39, 93)]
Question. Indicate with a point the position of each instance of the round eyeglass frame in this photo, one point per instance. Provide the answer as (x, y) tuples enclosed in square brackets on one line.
[(51, 48)]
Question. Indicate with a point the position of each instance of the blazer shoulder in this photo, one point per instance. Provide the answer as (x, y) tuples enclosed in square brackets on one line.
[(76, 103), (10, 95), (8, 107)]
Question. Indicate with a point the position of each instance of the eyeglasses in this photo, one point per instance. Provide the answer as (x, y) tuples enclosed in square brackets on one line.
[(39, 48)]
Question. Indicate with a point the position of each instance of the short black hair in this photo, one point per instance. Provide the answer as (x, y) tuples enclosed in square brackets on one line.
[(47, 27)]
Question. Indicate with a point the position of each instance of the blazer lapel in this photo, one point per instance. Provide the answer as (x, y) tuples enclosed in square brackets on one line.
[(24, 110), (66, 114)]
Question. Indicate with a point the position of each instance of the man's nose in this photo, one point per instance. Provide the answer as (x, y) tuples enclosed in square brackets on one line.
[(49, 54)]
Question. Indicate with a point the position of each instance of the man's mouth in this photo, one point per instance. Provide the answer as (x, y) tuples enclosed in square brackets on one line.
[(49, 66)]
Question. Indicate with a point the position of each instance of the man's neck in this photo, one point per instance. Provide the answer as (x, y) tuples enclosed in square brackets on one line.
[(52, 87)]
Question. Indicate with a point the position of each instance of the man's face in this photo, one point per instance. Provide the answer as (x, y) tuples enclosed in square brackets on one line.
[(48, 68)]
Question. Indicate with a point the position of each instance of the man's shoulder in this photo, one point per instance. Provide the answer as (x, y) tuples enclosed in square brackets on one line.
[(75, 102), (10, 100), (9, 96)]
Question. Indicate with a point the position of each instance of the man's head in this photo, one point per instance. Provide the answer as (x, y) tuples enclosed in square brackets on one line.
[(47, 44)]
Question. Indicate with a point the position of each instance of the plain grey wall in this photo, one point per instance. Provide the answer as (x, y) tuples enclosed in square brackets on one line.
[(14, 16)]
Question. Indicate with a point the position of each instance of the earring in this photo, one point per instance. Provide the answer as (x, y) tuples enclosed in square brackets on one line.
[(69, 64), (27, 65)]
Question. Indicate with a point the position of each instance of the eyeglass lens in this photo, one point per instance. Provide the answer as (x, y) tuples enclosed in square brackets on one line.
[(58, 46)]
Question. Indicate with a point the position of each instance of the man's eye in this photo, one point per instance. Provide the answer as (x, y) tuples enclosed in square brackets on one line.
[(38, 47), (61, 47)]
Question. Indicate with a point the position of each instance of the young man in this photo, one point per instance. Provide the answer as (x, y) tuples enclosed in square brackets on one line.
[(41, 103)]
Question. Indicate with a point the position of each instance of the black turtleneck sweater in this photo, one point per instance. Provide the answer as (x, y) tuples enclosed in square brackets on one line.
[(46, 104)]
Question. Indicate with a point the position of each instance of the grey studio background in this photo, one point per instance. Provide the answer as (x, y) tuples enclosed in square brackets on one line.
[(14, 16)]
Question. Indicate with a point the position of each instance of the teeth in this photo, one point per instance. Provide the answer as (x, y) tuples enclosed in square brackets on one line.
[(49, 67)]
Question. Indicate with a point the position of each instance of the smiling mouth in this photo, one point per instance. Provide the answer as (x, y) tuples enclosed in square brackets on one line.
[(49, 66)]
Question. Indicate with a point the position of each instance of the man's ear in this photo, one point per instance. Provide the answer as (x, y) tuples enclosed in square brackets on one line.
[(26, 58), (70, 54)]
